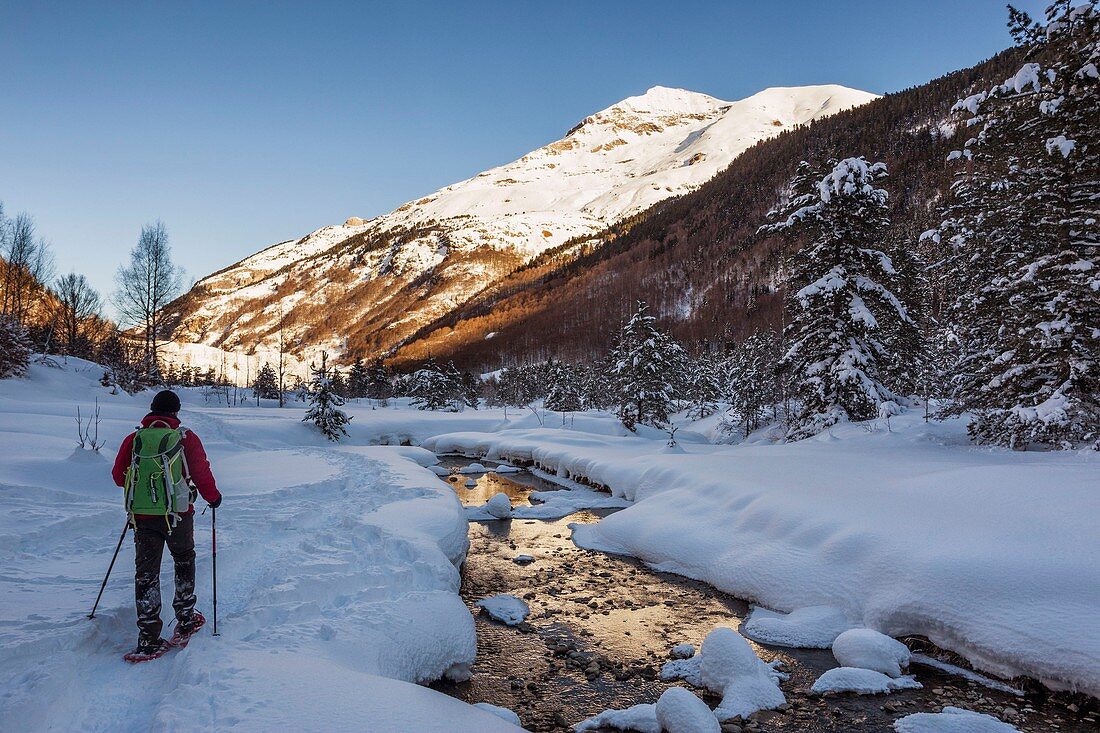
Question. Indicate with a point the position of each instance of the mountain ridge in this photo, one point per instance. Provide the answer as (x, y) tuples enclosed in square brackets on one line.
[(381, 279)]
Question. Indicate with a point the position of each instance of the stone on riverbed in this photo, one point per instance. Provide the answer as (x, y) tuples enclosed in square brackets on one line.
[(860, 681), (505, 608), (870, 649)]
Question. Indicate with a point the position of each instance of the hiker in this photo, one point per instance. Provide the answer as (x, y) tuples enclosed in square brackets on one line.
[(160, 465)]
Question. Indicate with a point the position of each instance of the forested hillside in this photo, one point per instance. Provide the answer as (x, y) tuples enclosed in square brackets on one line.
[(698, 260)]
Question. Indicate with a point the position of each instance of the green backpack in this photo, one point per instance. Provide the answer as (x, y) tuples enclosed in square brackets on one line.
[(156, 481)]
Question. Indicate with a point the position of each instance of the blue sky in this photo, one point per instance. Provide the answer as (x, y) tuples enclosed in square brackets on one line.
[(241, 124)]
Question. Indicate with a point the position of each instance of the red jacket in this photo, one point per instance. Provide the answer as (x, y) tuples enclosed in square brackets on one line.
[(197, 463)]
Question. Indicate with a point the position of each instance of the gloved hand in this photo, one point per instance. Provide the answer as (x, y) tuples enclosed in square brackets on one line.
[(216, 503)]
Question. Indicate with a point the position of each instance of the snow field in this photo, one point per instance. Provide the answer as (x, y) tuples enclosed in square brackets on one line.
[(337, 588)]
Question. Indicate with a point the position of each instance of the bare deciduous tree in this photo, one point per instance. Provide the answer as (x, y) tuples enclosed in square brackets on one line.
[(78, 303), (148, 283), (27, 264)]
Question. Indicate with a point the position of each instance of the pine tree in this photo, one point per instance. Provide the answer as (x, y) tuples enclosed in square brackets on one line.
[(338, 382), (647, 366), (515, 387), (266, 384), (563, 391), (1023, 228), (471, 389), (753, 384), (379, 382), (324, 403), (840, 294), (15, 348), (596, 387), (431, 388), (704, 385), (358, 379)]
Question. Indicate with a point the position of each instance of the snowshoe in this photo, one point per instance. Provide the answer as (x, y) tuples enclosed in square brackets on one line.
[(147, 651), (184, 632)]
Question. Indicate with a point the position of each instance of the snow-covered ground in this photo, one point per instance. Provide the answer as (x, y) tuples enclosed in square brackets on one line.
[(337, 588), (338, 580), (911, 530)]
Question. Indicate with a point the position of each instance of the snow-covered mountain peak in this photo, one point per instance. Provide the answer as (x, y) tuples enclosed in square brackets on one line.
[(393, 274)]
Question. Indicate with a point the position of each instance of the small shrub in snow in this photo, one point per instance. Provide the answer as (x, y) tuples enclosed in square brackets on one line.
[(861, 682), (680, 711), (869, 649)]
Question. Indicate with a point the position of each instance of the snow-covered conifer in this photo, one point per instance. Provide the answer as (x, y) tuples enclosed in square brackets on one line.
[(840, 294), (647, 367), (753, 386), (15, 348), (431, 388), (563, 389), (379, 384), (266, 384), (704, 385), (324, 403), (1022, 233)]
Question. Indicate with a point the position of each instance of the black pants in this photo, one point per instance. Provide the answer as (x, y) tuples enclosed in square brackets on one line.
[(150, 537)]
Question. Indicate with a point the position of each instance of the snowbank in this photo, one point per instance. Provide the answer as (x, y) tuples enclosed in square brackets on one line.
[(815, 627), (338, 579), (989, 553)]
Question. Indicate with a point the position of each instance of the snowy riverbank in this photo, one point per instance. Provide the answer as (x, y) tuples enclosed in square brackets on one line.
[(338, 578), (988, 553)]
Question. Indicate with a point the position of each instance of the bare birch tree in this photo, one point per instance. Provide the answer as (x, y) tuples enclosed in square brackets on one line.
[(78, 303), (27, 264), (146, 285)]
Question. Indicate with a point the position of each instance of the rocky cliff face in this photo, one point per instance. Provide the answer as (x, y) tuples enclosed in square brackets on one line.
[(366, 285)]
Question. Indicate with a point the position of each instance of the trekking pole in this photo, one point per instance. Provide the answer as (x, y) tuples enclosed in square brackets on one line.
[(125, 529), (214, 547)]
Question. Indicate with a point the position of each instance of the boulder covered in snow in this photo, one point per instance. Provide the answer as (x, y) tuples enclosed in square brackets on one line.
[(952, 720), (870, 649), (683, 651), (440, 470), (812, 627), (680, 711), (505, 608), (641, 718), (499, 506), (474, 468), (861, 682), (354, 221), (727, 665)]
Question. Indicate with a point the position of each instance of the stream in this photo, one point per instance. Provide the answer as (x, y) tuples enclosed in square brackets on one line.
[(602, 625)]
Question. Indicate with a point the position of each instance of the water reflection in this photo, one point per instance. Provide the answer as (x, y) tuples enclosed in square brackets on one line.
[(517, 486)]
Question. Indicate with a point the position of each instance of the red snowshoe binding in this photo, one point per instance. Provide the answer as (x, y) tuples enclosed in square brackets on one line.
[(184, 632), (148, 651)]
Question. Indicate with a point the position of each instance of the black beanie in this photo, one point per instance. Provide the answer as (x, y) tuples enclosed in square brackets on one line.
[(166, 402)]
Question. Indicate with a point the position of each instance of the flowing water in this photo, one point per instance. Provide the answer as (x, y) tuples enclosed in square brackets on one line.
[(601, 626)]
